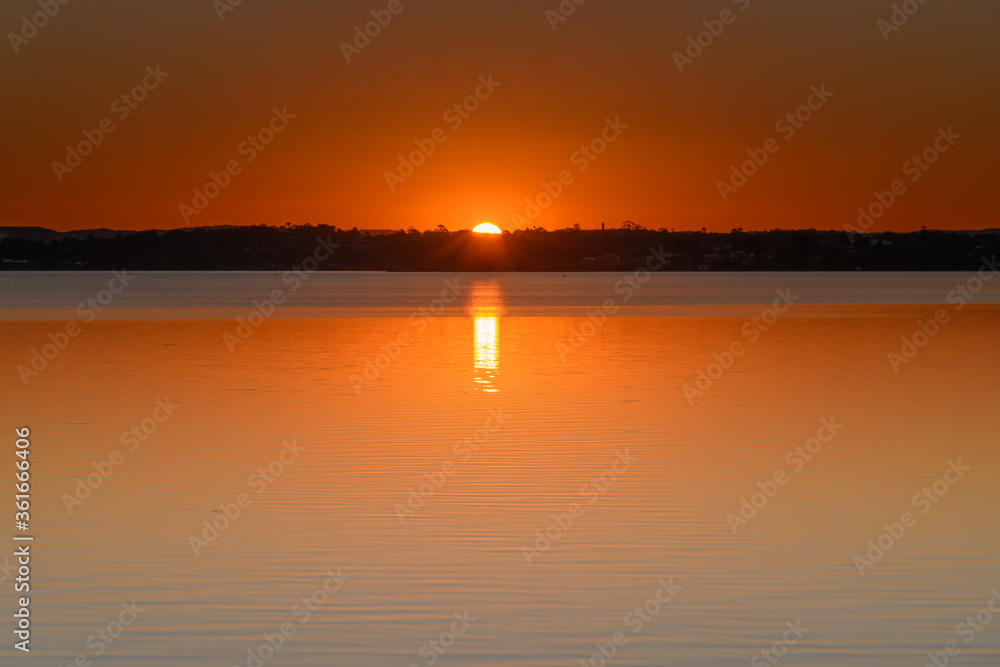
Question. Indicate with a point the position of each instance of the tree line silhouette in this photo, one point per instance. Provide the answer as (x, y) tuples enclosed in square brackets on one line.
[(266, 248)]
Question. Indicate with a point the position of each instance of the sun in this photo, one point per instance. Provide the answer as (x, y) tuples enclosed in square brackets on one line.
[(487, 228)]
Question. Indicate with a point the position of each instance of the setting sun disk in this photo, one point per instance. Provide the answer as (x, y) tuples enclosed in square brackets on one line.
[(487, 228)]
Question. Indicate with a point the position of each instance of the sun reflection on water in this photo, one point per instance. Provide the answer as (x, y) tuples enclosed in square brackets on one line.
[(486, 305)]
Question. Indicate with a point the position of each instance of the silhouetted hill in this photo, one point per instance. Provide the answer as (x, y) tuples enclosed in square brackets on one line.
[(41, 233)]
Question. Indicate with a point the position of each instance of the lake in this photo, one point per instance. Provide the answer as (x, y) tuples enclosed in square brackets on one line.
[(507, 469)]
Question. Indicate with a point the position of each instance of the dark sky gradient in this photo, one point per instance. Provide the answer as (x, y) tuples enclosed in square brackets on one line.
[(558, 87)]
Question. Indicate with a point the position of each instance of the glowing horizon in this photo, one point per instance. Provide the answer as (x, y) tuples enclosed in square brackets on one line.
[(504, 113)]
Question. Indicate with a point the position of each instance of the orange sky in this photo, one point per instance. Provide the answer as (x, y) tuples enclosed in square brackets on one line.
[(557, 88)]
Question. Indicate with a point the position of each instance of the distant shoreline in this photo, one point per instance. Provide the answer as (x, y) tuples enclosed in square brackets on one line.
[(327, 248)]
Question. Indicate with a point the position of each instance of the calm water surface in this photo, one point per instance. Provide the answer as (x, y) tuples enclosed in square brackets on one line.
[(520, 399)]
